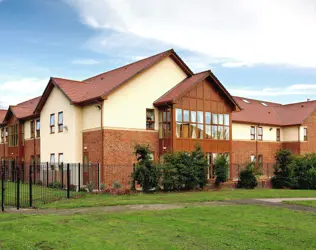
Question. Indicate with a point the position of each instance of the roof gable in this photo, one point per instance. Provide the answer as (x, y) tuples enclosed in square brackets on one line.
[(2, 115), (98, 87), (190, 82)]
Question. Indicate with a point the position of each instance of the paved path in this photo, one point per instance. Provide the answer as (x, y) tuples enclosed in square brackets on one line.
[(273, 202)]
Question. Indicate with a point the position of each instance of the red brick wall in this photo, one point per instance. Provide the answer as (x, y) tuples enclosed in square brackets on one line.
[(118, 151), (293, 146), (31, 149), (310, 145)]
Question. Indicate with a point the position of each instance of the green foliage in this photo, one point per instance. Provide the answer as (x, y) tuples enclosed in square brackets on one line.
[(184, 171), (146, 173), (54, 184), (102, 187), (220, 169), (282, 169), (116, 185), (247, 177), (90, 187)]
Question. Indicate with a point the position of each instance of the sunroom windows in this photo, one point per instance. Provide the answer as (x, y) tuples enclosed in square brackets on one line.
[(200, 125)]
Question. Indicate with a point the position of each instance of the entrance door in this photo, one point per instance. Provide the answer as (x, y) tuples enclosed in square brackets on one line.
[(85, 169)]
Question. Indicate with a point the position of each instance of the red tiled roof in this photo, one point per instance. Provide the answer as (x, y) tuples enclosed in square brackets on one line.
[(272, 113), (182, 87), (103, 84), (24, 109), (2, 114)]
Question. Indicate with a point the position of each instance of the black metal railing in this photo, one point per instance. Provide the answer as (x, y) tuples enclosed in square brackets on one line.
[(28, 185)]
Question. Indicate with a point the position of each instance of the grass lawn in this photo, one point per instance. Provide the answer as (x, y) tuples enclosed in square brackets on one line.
[(93, 200), (220, 227), (303, 203), (41, 194)]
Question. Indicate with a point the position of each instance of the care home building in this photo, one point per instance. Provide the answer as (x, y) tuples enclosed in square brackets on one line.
[(157, 101)]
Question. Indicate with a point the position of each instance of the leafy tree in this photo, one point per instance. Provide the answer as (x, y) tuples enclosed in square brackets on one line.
[(247, 177), (282, 169), (220, 169), (147, 174)]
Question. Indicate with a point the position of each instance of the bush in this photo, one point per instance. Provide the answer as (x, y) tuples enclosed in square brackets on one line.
[(90, 187), (247, 177), (72, 188), (116, 185), (220, 169), (102, 187), (282, 169), (146, 173), (184, 171), (54, 184)]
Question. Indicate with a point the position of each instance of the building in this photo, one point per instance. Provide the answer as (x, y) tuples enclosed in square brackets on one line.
[(157, 101)]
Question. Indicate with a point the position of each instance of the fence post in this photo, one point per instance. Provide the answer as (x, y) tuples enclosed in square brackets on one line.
[(79, 173), (17, 188), (47, 174), (30, 186), (2, 187), (99, 177), (62, 175), (68, 181)]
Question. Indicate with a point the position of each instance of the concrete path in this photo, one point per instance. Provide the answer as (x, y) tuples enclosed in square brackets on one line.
[(272, 202)]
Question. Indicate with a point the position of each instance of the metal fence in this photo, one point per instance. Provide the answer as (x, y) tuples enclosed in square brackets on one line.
[(28, 185)]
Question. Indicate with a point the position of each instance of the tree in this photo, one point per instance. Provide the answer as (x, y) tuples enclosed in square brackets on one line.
[(220, 169)]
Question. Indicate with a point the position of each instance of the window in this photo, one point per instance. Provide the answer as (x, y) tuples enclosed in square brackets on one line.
[(32, 129), (260, 160), (246, 101), (178, 122), (52, 123), (264, 104), (185, 124), (252, 158), (60, 122), (252, 133), (260, 132), (278, 134), (6, 134), (60, 158), (150, 119), (200, 125), (38, 128), (305, 134), (193, 125), (13, 135), (2, 135), (164, 123), (52, 160)]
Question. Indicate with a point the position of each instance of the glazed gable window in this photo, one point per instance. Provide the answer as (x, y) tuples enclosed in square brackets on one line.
[(60, 122), (13, 135), (52, 123)]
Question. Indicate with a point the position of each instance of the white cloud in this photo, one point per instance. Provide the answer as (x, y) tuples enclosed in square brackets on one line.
[(256, 32), (307, 90), (86, 61), (19, 90)]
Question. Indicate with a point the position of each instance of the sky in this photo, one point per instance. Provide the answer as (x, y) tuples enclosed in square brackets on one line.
[(263, 49)]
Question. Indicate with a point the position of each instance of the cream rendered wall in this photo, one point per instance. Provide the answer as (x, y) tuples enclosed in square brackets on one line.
[(91, 117), (290, 134), (126, 108), (68, 142), (27, 130), (242, 132)]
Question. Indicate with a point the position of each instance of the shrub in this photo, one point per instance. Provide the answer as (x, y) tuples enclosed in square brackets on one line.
[(282, 169), (72, 188), (90, 187), (247, 177), (116, 184), (146, 173), (54, 184), (102, 187), (220, 169), (182, 170)]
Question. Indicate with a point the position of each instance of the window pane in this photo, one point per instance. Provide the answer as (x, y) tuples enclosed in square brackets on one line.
[(193, 116), (226, 133), (61, 158), (221, 132), (60, 118), (200, 131), (178, 129), (52, 159), (185, 130), (38, 125), (226, 120), (260, 130), (200, 116), (150, 113), (193, 130), (221, 119), (168, 116), (186, 115), (52, 120), (207, 117), (252, 130), (214, 118), (208, 132), (164, 116), (160, 131), (214, 132), (179, 115)]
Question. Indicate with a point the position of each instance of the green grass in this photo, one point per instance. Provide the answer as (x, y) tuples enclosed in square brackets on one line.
[(90, 200), (302, 203), (221, 227), (41, 194)]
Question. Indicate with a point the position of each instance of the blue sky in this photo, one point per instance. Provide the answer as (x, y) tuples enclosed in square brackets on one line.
[(251, 48)]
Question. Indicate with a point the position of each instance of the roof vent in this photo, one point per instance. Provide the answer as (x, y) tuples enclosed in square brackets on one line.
[(302, 105), (244, 100), (102, 78), (264, 104)]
